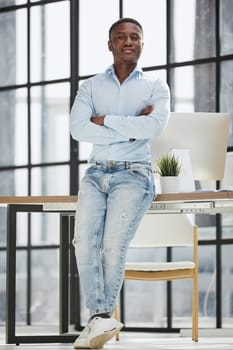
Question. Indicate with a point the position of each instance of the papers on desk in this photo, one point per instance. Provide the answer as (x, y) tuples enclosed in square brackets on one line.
[(210, 190)]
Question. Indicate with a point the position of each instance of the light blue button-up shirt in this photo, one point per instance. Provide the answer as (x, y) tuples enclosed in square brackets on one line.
[(121, 105)]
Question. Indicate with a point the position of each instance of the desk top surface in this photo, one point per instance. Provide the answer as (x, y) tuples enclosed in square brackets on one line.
[(169, 197)]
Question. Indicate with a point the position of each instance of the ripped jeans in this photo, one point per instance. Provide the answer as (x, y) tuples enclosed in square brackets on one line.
[(112, 200)]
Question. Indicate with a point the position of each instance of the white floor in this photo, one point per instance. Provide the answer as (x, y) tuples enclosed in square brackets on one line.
[(142, 341)]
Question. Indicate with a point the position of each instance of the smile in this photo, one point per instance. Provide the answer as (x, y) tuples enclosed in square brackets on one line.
[(127, 50)]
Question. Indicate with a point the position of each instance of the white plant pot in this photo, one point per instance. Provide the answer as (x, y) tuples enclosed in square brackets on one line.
[(170, 184)]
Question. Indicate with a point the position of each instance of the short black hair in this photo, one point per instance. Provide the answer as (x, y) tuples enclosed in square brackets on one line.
[(124, 20)]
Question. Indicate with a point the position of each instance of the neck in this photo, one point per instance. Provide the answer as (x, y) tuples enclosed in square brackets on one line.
[(122, 71)]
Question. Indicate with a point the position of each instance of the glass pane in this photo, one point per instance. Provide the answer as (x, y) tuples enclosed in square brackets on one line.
[(2, 287), (152, 314), (3, 221), (21, 127), (227, 284), (13, 39), (227, 184), (53, 180), (141, 313), (206, 226), (182, 290), (227, 181), (4, 3), (227, 225), (82, 169), (153, 20), (14, 124), (226, 93), (226, 26), (85, 149), (207, 286), (193, 88), (22, 229), (45, 287), (45, 228), (182, 89), (21, 182), (160, 74), (21, 287), (206, 223), (196, 28), (50, 41), (13, 182), (7, 183), (94, 56), (50, 123), (182, 303), (205, 87)]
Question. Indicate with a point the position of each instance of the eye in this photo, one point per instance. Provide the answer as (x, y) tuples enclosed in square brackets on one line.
[(121, 37), (135, 37)]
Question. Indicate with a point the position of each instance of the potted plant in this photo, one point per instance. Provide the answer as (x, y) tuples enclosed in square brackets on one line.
[(169, 167)]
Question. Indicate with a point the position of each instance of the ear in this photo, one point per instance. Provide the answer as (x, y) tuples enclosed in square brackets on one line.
[(109, 45)]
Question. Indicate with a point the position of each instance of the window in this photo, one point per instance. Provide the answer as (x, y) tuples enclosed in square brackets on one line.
[(35, 143), (51, 47)]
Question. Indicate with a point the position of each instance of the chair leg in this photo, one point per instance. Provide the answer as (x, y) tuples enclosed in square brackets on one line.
[(116, 315), (195, 309)]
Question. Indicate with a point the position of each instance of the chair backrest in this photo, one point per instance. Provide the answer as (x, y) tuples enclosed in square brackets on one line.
[(204, 135), (164, 230)]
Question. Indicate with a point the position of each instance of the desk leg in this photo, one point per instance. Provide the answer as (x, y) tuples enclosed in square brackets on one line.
[(75, 297), (64, 274), (11, 274), (11, 336)]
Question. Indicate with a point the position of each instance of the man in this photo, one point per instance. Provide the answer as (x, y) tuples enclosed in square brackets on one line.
[(118, 111)]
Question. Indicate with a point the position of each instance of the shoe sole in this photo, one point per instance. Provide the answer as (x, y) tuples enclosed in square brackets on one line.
[(98, 341), (81, 347)]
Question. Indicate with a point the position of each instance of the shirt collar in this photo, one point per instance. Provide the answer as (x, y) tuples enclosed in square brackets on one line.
[(137, 72)]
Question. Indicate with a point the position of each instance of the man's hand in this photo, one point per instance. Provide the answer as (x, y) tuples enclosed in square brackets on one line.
[(147, 110), (98, 120)]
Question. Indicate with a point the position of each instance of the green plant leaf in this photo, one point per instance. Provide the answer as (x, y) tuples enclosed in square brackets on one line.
[(168, 165)]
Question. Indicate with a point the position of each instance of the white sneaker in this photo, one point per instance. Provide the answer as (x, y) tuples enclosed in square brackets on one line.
[(81, 341), (102, 330), (97, 332)]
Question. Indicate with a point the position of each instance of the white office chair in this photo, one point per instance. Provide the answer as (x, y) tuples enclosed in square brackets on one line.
[(167, 230), (195, 132)]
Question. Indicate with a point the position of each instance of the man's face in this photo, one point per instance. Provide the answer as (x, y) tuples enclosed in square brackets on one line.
[(126, 43)]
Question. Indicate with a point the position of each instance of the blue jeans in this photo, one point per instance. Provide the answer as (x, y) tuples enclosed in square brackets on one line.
[(112, 200)]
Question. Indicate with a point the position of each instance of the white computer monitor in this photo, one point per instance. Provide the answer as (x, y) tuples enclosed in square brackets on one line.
[(205, 135)]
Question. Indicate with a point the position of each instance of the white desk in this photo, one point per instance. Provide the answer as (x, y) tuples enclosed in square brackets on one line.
[(206, 202), (195, 202)]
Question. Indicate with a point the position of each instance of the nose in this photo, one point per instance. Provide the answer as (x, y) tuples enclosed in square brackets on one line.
[(128, 40)]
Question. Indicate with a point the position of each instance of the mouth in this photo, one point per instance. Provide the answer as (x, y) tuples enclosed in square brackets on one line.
[(127, 50)]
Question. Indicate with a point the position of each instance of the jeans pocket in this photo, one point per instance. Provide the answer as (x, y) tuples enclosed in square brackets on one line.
[(141, 171)]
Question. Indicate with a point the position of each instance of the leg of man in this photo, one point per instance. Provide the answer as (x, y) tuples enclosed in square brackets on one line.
[(131, 195), (126, 195), (89, 226)]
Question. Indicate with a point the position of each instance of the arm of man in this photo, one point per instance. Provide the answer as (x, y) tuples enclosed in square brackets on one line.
[(81, 127), (99, 120), (147, 125)]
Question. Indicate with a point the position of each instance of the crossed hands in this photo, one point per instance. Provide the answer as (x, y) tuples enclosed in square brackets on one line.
[(99, 120)]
